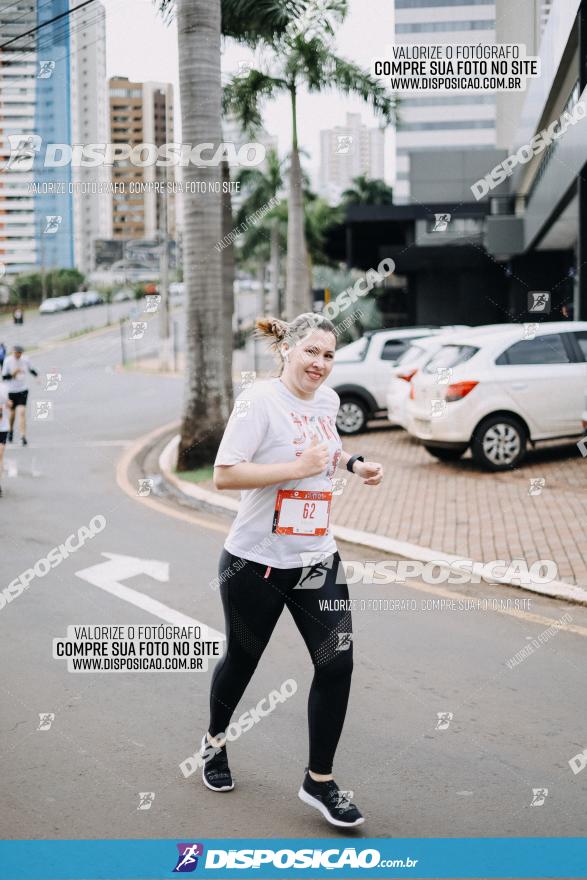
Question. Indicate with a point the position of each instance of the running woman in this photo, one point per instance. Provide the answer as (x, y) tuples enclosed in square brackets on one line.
[(14, 373), (5, 407), (281, 449)]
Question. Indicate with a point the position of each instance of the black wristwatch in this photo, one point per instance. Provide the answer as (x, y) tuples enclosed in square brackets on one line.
[(352, 460)]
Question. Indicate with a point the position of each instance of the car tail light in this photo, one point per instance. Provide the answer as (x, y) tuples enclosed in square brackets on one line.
[(407, 377), (459, 390)]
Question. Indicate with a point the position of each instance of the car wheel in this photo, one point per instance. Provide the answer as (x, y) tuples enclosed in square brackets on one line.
[(445, 454), (352, 416), (499, 443)]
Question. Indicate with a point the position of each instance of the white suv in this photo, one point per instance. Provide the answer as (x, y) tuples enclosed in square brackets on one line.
[(361, 374), (495, 391)]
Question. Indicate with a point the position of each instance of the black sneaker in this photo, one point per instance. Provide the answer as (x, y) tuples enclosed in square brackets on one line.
[(10, 434), (25, 442), (216, 773), (331, 801)]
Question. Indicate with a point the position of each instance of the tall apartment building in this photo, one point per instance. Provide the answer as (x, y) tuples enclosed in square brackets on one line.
[(51, 93), (18, 69), (92, 212), (140, 113), (348, 151), (433, 121)]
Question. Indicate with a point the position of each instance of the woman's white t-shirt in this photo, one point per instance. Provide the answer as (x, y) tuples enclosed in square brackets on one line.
[(271, 425)]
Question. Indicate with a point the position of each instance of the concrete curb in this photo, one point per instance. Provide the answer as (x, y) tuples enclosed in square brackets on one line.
[(415, 552)]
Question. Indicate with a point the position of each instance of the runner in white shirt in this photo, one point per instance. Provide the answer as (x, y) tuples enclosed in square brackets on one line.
[(281, 449), (15, 372), (5, 407)]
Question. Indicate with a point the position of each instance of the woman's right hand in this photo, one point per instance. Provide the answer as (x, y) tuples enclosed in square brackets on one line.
[(313, 460)]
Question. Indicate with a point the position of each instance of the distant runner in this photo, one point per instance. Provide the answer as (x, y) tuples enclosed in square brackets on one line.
[(14, 374)]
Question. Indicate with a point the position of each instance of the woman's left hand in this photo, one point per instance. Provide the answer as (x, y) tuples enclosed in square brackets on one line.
[(371, 472)]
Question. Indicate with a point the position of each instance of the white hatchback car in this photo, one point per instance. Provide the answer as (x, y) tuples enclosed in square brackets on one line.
[(496, 389), (361, 372), (403, 371)]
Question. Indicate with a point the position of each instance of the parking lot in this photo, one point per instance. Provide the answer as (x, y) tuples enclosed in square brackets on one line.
[(537, 511)]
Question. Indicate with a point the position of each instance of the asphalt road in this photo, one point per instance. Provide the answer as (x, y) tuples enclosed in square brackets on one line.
[(38, 330), (115, 735)]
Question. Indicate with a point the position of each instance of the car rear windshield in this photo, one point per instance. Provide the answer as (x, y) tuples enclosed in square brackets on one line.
[(410, 356), (450, 356), (355, 351)]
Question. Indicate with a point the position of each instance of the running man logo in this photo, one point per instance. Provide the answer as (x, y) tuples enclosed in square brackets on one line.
[(338, 485), (52, 225), (241, 408), (344, 143), (138, 329), (315, 567), (437, 408), (46, 70), (53, 380), (23, 149), (443, 375), (537, 484), (441, 222), (152, 302), (344, 641), (46, 719), (578, 762), (539, 795), (145, 486), (530, 331), (43, 410), (444, 719), (146, 798), (187, 861), (539, 301), (247, 379)]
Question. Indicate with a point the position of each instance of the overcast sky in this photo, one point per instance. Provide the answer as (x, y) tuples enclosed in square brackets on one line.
[(142, 47)]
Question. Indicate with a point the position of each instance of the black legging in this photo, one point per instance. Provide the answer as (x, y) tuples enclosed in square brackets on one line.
[(252, 606)]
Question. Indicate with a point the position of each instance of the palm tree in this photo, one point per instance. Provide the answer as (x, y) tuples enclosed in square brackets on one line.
[(367, 191), (311, 63), (208, 392), (260, 188)]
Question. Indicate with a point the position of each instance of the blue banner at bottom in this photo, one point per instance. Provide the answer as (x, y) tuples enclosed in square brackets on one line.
[(481, 857)]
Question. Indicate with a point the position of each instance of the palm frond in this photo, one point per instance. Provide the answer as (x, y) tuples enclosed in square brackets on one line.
[(242, 97)]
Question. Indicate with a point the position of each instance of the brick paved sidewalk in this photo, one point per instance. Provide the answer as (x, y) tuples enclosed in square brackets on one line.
[(461, 510)]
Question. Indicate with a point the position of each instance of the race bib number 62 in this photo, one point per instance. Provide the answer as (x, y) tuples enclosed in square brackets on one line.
[(301, 513)]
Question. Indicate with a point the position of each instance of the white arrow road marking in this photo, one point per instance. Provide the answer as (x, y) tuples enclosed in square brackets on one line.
[(107, 576)]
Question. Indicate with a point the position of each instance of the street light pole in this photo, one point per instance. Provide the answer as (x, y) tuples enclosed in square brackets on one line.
[(43, 274), (164, 335)]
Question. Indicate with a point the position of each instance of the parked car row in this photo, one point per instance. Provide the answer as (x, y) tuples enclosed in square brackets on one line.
[(81, 299), (492, 389)]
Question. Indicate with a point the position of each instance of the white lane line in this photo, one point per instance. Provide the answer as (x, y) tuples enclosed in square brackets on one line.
[(107, 576)]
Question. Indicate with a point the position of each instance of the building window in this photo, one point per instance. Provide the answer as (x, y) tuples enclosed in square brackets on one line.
[(449, 100), (459, 125), (419, 4), (427, 26)]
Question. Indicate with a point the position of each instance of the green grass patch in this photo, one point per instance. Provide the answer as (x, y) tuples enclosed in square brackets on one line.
[(198, 476)]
